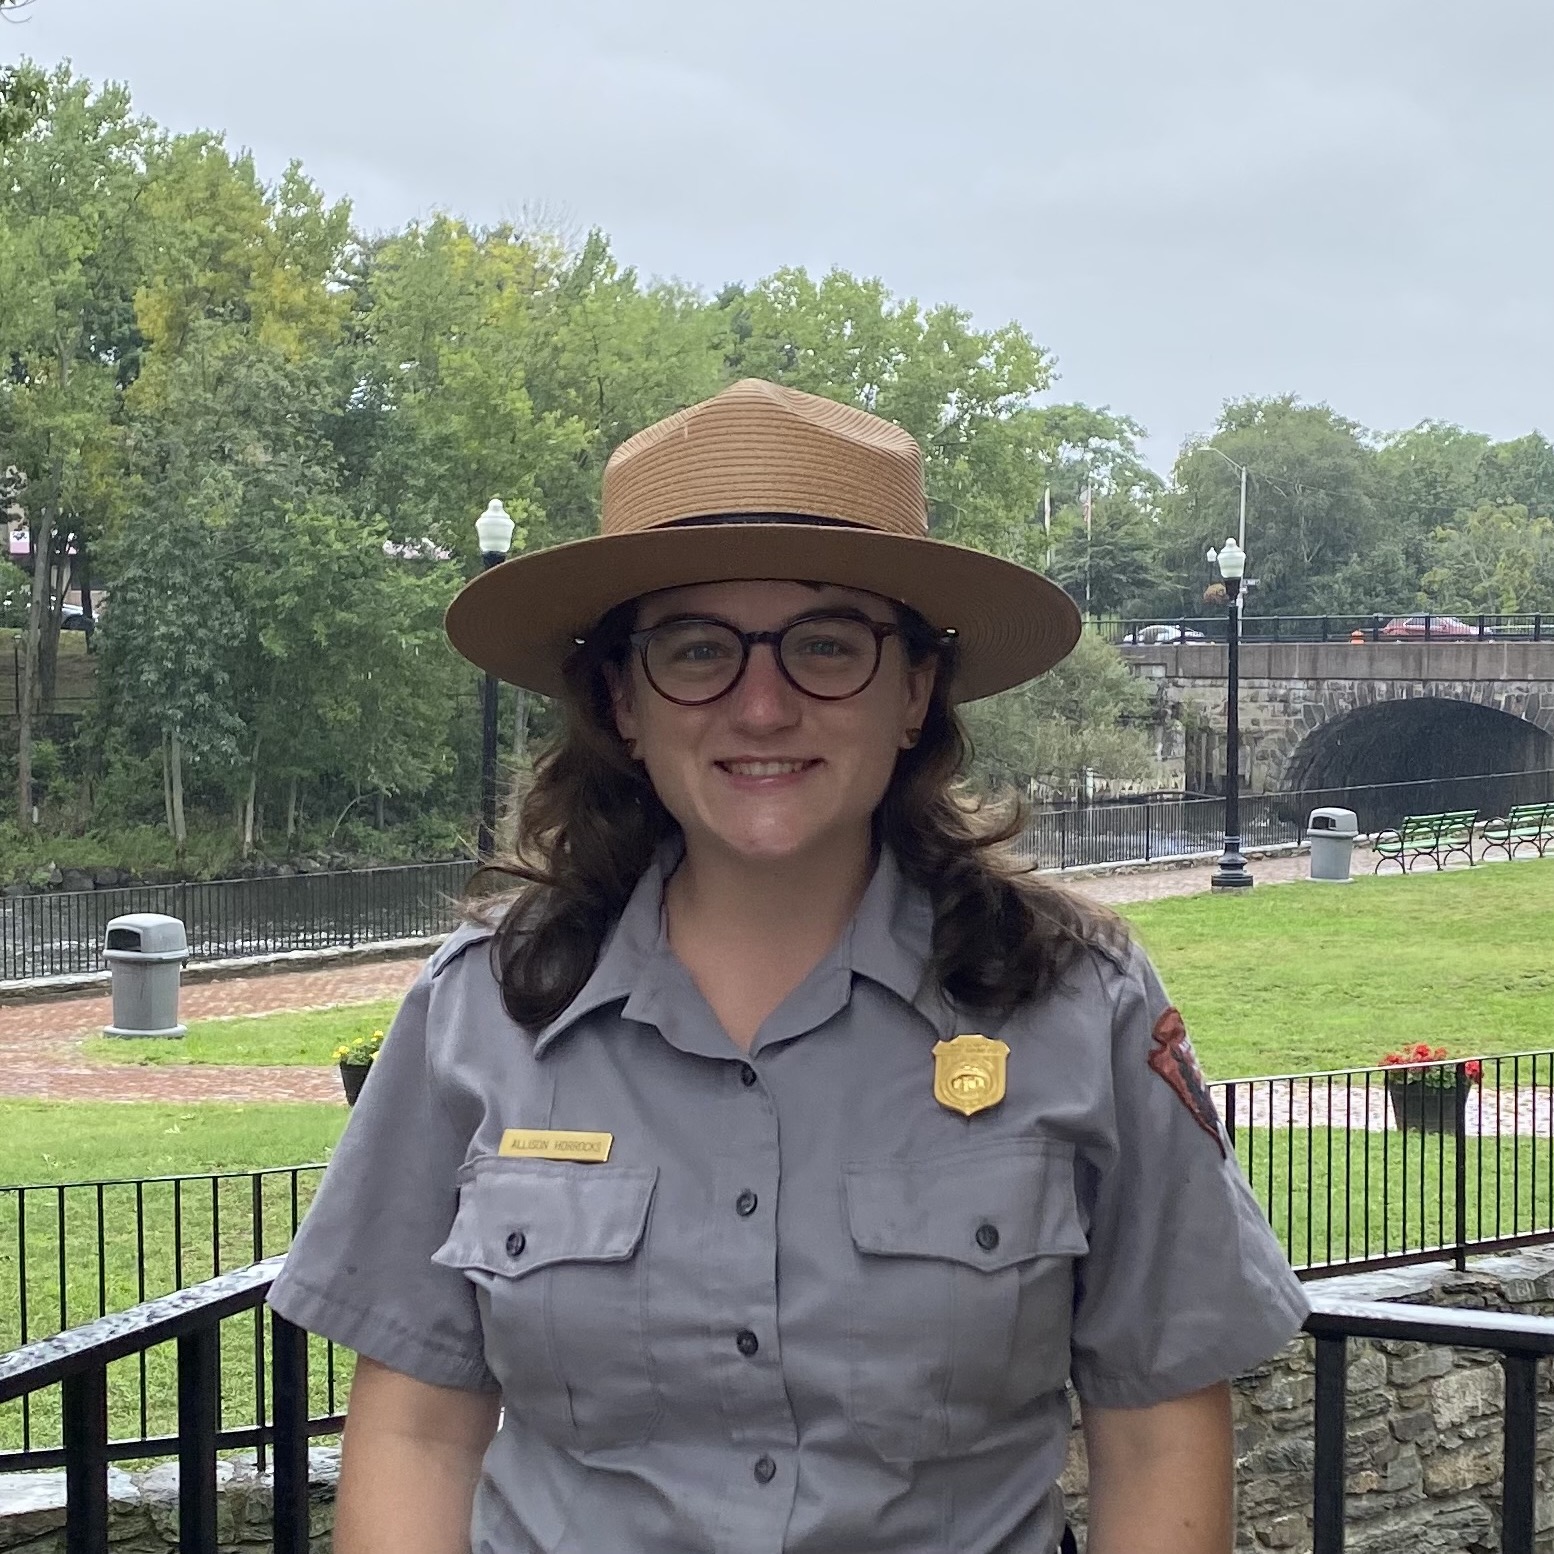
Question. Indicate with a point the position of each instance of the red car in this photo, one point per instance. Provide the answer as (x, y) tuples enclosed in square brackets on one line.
[(1438, 626)]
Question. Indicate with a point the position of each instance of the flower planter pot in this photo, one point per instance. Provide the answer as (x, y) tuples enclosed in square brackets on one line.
[(1421, 1108), (353, 1076)]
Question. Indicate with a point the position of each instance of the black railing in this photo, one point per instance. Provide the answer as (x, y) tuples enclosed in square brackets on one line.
[(1519, 1342), (1351, 1176), (78, 1364), (1380, 1167), (1128, 830), (72, 1252), (60, 933), (1184, 630)]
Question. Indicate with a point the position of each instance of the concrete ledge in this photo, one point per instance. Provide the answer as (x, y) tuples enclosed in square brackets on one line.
[(89, 982)]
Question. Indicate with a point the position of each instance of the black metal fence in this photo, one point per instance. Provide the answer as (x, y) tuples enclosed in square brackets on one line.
[(1378, 1167), (78, 1365), (1138, 830), (1172, 630), (73, 1252), (60, 933), (1519, 1342), (76, 1368), (1355, 1169)]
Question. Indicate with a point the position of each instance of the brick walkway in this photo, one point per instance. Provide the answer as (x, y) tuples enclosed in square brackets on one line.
[(41, 1057), (40, 1043)]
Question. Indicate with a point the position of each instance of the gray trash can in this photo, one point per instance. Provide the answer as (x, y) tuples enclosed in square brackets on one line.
[(1331, 833), (145, 952)]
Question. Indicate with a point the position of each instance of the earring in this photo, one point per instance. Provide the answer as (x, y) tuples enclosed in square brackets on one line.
[(912, 737), (631, 748)]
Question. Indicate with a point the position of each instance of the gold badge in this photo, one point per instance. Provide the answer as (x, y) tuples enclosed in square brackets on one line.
[(968, 1073), (593, 1147)]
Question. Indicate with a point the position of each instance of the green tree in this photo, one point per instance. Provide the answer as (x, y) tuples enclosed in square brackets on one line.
[(1313, 525), (1088, 714), (69, 254), (1498, 559), (446, 316)]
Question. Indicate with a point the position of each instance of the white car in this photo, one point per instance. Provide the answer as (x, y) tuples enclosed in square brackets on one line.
[(1161, 633)]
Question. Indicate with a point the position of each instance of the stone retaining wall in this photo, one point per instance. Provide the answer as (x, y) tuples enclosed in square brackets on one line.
[(1424, 1426), (1424, 1446)]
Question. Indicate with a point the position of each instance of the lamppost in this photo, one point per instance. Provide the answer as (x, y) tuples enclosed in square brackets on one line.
[(494, 534), (1231, 873)]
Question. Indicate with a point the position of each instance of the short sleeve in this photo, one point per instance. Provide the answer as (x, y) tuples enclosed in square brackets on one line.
[(1184, 1284), (360, 1270)]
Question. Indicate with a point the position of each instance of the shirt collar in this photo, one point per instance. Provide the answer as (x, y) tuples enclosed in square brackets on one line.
[(889, 941), (631, 944), (891, 934)]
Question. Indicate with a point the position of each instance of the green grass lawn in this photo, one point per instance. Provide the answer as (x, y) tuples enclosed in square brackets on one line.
[(75, 1141), (1323, 1190), (1292, 978), (287, 1039)]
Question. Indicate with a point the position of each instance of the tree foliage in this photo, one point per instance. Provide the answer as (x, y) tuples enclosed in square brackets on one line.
[(263, 436)]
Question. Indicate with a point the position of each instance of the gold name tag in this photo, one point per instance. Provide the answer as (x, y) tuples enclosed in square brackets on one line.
[(557, 1146)]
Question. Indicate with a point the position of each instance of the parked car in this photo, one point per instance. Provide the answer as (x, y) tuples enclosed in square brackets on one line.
[(1163, 634), (72, 618), (1431, 625)]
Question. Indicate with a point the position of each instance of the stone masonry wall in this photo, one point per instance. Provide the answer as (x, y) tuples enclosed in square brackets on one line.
[(1424, 1446), (1424, 1427)]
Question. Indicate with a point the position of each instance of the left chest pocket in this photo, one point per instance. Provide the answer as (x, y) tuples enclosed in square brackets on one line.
[(555, 1252), (964, 1292)]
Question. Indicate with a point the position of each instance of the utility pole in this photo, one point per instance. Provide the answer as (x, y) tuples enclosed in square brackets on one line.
[(1089, 609)]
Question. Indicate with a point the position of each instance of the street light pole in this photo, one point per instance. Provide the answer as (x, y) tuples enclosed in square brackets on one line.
[(494, 534), (1232, 871)]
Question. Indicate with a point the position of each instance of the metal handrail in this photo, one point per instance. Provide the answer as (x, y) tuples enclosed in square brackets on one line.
[(1520, 1342), (77, 1361)]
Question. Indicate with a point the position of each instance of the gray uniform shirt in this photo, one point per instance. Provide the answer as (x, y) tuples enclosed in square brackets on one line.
[(803, 1307)]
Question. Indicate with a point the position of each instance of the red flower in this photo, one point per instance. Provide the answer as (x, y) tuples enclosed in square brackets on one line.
[(1442, 1074)]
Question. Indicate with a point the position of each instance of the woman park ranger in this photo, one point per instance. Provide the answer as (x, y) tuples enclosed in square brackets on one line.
[(758, 1175)]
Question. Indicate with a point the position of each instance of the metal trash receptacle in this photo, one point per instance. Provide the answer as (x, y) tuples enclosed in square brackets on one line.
[(1331, 833), (145, 952)]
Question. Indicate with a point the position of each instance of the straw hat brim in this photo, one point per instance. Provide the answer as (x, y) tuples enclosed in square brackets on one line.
[(521, 620)]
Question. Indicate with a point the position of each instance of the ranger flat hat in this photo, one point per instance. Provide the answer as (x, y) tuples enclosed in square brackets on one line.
[(764, 482)]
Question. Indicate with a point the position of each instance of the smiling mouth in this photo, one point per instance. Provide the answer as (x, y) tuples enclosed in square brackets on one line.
[(765, 768)]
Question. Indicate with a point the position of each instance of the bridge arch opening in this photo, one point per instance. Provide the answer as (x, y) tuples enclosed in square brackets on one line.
[(1417, 739)]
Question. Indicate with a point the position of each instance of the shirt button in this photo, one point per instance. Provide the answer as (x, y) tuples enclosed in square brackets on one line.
[(765, 1470), (516, 1243), (744, 1204), (746, 1075), (987, 1237), (746, 1342)]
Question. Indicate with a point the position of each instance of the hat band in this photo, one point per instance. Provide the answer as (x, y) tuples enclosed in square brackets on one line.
[(797, 520)]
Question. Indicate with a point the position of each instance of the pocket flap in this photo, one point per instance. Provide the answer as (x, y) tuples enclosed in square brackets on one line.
[(988, 1208), (518, 1216)]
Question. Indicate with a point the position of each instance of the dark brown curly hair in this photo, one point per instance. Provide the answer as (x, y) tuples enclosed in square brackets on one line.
[(590, 824)]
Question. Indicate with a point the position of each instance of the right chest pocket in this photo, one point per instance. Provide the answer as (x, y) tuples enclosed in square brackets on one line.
[(556, 1253)]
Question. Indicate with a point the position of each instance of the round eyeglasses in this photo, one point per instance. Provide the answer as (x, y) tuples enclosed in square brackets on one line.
[(695, 661)]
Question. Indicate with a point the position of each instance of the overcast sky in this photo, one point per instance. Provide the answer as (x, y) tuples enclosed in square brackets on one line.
[(1185, 200)]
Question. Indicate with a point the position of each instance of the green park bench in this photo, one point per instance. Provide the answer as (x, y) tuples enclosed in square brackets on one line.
[(1530, 823), (1427, 836)]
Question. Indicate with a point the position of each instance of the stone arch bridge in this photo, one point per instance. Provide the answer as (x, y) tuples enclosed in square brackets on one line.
[(1344, 714)]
